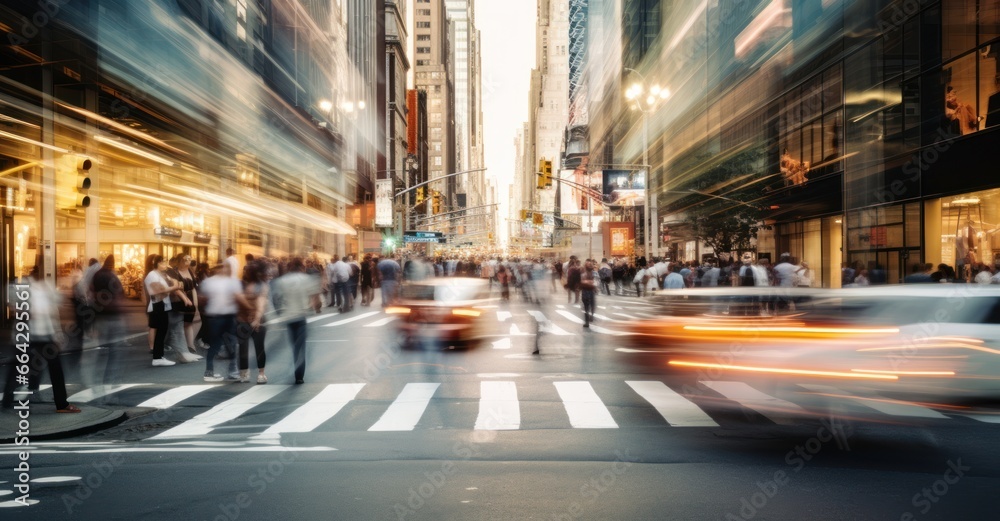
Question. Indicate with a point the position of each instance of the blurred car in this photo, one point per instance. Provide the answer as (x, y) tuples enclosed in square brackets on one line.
[(442, 313), (937, 342)]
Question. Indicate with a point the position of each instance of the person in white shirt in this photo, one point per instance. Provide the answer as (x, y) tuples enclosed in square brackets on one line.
[(340, 274), (674, 280), (158, 289), (784, 271), (233, 263), (296, 296), (711, 277), (984, 275), (222, 295)]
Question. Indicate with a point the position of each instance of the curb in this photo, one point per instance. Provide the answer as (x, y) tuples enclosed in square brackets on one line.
[(109, 418)]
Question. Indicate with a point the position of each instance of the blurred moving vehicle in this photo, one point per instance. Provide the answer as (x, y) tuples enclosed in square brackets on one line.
[(929, 342), (442, 313)]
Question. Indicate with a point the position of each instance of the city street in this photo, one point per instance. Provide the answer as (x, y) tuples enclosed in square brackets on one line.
[(585, 430)]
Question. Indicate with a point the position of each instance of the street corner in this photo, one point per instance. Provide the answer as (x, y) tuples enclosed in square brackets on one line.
[(25, 423)]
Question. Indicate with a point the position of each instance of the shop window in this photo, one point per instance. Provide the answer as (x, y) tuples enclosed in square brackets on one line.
[(989, 21), (912, 222), (911, 114), (958, 24), (959, 81), (910, 59), (893, 50), (832, 88), (989, 86), (832, 128)]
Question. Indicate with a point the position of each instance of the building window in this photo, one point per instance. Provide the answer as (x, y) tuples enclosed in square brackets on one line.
[(423, 25), (423, 62), (423, 12), (423, 37), (437, 161), (423, 50)]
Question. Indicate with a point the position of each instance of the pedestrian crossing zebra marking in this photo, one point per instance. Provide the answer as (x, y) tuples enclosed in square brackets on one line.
[(99, 391), (313, 413), (382, 322), (547, 325), (584, 407), (677, 410), (172, 397), (406, 410), (774, 409), (502, 316), (226, 411), (630, 317), (890, 407), (352, 319), (499, 408)]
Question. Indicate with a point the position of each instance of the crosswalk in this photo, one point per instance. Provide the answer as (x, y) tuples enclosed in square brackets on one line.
[(268, 411), (560, 319)]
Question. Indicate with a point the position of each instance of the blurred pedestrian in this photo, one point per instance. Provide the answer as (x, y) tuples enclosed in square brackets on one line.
[(222, 296), (43, 347), (296, 296), (389, 272), (589, 279), (158, 289), (249, 320)]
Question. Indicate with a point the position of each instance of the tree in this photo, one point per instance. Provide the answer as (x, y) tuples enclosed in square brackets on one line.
[(723, 207)]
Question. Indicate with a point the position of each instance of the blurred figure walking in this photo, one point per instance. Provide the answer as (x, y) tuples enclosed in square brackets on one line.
[(296, 296)]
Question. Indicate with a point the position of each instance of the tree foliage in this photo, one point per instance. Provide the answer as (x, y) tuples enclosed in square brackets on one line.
[(724, 205)]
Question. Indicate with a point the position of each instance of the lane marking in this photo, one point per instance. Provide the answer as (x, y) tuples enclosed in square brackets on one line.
[(224, 412), (310, 320), (99, 391), (502, 316), (406, 410), (384, 321), (774, 409), (596, 329), (172, 397), (313, 413), (892, 408), (626, 316), (547, 325), (498, 407), (675, 408), (503, 343), (352, 319), (584, 407)]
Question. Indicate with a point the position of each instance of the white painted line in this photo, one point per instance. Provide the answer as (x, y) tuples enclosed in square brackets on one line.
[(172, 397), (99, 391), (572, 317), (502, 316), (775, 409), (266, 448), (985, 418), (384, 321), (560, 306), (321, 408), (584, 407), (310, 320), (602, 317), (516, 331), (547, 325), (405, 412), (352, 319), (503, 343), (676, 409), (626, 316), (224, 412), (499, 409), (892, 408)]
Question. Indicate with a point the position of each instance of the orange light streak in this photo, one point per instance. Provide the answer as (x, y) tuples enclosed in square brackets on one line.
[(779, 370)]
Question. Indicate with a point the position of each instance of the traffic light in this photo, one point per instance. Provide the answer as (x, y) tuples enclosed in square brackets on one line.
[(73, 182), (540, 181), (420, 194), (437, 203), (547, 173), (524, 215), (538, 218)]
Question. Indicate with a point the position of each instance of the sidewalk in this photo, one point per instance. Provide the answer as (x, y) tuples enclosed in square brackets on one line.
[(43, 420)]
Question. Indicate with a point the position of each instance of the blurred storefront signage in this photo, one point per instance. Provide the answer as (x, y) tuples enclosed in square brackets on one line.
[(383, 202)]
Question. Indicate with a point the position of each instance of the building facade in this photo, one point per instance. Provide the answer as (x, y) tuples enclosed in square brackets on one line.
[(199, 136)]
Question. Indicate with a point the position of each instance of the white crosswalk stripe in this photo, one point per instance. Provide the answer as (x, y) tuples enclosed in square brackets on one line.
[(352, 319), (172, 397), (99, 391), (498, 407), (775, 409), (313, 413), (676, 409), (382, 322), (405, 412), (890, 407), (226, 411), (584, 407), (549, 326), (596, 329)]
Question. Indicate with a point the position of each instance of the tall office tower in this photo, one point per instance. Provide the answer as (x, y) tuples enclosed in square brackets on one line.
[(551, 110), (393, 95), (431, 33)]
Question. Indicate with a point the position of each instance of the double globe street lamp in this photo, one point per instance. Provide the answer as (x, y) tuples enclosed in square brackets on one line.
[(647, 99)]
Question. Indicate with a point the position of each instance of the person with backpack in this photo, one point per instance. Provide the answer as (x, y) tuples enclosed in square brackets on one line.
[(605, 274)]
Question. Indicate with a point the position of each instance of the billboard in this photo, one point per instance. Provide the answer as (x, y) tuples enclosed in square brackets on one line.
[(383, 202), (625, 187)]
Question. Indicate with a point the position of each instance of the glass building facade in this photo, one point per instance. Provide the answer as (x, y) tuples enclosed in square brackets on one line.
[(861, 128), (206, 125)]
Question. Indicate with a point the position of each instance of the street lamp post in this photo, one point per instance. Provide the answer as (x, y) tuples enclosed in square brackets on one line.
[(656, 94)]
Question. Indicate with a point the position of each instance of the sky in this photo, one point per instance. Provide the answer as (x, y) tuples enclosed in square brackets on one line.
[(507, 28)]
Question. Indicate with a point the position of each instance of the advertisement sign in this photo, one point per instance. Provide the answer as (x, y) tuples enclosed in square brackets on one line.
[(574, 200), (619, 238), (625, 187), (383, 202)]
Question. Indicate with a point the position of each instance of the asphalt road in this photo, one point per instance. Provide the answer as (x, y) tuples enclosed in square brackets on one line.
[(586, 430)]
